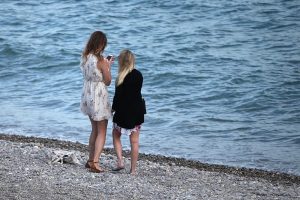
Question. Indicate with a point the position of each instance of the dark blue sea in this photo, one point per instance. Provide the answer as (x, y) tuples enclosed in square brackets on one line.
[(221, 78)]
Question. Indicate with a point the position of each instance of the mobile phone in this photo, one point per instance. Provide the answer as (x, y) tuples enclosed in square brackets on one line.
[(109, 57)]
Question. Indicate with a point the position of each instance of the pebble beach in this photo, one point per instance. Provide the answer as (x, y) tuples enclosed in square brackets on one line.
[(30, 170)]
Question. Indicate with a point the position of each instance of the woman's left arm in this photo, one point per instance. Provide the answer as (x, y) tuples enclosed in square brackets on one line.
[(105, 69)]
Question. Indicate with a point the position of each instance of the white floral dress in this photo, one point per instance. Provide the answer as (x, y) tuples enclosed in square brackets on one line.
[(94, 98)]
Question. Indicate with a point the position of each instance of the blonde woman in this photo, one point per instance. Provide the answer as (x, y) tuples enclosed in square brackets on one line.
[(94, 99), (128, 107)]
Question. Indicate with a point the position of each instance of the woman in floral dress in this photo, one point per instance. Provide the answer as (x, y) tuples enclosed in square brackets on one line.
[(94, 99)]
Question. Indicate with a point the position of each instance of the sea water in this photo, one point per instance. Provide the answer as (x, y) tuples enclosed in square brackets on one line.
[(221, 78)]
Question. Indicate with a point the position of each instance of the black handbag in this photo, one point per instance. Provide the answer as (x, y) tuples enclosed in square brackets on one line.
[(144, 106)]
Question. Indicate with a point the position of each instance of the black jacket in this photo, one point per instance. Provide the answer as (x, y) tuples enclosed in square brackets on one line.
[(128, 104)]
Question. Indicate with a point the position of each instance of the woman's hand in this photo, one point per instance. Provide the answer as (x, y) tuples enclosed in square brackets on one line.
[(110, 59)]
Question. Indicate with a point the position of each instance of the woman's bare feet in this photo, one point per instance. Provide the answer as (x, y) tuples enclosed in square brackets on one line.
[(120, 166), (133, 173)]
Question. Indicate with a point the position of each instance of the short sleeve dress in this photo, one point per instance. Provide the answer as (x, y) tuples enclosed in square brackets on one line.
[(94, 97)]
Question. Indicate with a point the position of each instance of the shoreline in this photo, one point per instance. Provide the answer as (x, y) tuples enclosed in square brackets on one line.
[(272, 176), (42, 168)]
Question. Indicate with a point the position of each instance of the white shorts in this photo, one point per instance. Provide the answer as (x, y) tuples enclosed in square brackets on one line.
[(126, 131)]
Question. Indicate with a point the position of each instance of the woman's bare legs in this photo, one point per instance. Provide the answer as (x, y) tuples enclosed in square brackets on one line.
[(100, 139), (92, 139), (134, 142), (118, 148), (97, 141)]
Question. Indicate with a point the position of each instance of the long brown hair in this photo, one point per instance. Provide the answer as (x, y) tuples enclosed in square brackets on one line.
[(95, 45), (126, 65)]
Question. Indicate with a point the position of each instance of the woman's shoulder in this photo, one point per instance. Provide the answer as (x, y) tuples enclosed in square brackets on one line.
[(136, 72), (91, 59), (134, 75), (91, 56)]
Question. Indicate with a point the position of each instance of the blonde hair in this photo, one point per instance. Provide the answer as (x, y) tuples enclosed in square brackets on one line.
[(126, 65)]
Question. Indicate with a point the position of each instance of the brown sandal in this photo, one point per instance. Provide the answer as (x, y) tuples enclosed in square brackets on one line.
[(93, 167), (87, 165)]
